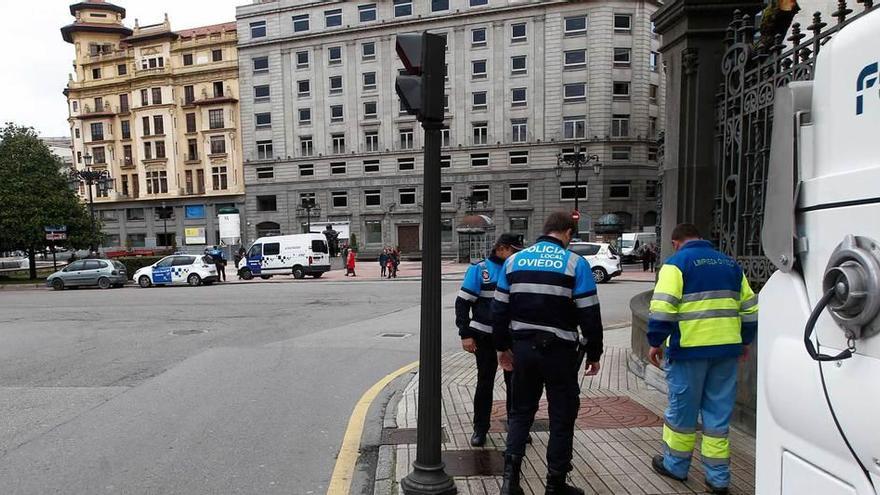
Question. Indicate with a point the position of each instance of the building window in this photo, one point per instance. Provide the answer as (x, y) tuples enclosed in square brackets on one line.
[(218, 145), (121, 69), (519, 158), (303, 88), (261, 64), (145, 122), (654, 61), (258, 29), (574, 92), (192, 150), (97, 131), (446, 195), (620, 125), (479, 160), (218, 89), (145, 97), (215, 119), (333, 18), (619, 189), (367, 13), (518, 65), (405, 164), (652, 153), (575, 25), (439, 5), (481, 133), (518, 33), (160, 149), (576, 59), (368, 51), (371, 166), (267, 203), (651, 189), (622, 57), (369, 80), (306, 170), (218, 178), (620, 152), (480, 100), (653, 91), (305, 116), (373, 229), (264, 150), (99, 155), (568, 191), (402, 8), (478, 37), (338, 142), (407, 196), (518, 97), (620, 90), (300, 23), (96, 73), (302, 60), (157, 182), (446, 137), (336, 113), (478, 69), (519, 225), (445, 161), (261, 93), (190, 122), (335, 85), (406, 139), (158, 125), (217, 55), (123, 103), (371, 140), (157, 96), (481, 194), (126, 129), (477, 3), (339, 199), (520, 130), (574, 127), (337, 168), (370, 110), (622, 22), (519, 192), (189, 95), (305, 146), (373, 197)]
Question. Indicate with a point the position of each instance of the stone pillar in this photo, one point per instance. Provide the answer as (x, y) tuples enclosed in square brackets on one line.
[(693, 34)]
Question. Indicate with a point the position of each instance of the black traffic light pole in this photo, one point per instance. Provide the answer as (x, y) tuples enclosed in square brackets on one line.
[(424, 56)]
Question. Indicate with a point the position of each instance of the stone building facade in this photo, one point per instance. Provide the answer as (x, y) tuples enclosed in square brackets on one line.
[(158, 110), (527, 80)]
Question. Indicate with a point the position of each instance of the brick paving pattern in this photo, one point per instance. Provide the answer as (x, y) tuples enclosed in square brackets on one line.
[(617, 433)]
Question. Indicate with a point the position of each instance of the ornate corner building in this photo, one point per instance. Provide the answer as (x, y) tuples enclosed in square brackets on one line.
[(159, 110), (527, 80)]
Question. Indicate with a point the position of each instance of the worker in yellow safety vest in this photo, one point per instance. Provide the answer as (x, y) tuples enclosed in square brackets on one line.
[(706, 313)]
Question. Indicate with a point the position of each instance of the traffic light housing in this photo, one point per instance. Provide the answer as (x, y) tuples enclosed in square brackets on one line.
[(421, 89)]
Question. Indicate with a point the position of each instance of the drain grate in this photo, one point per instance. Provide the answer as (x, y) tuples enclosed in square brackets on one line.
[(482, 462), (183, 333), (391, 335)]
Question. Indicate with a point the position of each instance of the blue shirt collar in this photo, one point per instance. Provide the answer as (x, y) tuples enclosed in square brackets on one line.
[(547, 238), (697, 243)]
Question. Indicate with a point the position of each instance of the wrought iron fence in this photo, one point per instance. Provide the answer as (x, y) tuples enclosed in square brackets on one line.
[(752, 70)]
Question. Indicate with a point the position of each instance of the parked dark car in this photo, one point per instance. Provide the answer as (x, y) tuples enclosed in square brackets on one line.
[(89, 273)]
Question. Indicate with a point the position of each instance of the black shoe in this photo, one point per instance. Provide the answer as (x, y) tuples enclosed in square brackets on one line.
[(510, 483), (478, 439), (718, 490), (657, 464), (556, 485)]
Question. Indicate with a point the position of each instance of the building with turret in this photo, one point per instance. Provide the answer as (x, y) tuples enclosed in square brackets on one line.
[(158, 109)]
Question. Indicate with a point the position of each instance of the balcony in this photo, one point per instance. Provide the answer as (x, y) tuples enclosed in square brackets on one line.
[(97, 113), (127, 162), (191, 158)]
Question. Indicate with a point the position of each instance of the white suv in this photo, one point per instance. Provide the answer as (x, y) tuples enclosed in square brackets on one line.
[(603, 259)]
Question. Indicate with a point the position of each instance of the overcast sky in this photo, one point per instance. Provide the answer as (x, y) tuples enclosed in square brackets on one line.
[(36, 61)]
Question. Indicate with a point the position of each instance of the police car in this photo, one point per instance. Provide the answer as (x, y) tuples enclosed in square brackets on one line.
[(178, 269)]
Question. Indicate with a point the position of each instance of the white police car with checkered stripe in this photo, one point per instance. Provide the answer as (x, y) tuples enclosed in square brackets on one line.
[(178, 269)]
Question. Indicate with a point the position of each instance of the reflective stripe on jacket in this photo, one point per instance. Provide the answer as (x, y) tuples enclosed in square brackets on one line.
[(473, 306), (702, 305)]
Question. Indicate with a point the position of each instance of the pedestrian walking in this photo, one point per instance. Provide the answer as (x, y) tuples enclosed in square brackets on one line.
[(383, 260), (544, 294), (705, 310), (473, 317), (643, 254), (219, 258), (652, 256), (349, 263)]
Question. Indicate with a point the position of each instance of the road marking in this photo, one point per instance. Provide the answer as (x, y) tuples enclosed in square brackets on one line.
[(343, 472)]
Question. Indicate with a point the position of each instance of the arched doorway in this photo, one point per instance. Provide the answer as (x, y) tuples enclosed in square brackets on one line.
[(650, 219), (626, 219), (265, 229)]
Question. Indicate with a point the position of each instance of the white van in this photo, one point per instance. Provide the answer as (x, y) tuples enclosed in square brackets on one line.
[(298, 255), (629, 244)]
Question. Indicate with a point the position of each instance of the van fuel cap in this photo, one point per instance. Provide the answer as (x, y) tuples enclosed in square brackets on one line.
[(853, 273)]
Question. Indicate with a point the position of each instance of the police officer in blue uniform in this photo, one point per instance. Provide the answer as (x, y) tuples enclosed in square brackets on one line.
[(473, 317), (544, 293)]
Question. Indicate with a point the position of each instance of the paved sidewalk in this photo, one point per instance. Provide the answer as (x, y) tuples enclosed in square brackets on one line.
[(617, 433)]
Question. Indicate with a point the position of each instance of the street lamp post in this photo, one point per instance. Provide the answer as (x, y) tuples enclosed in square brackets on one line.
[(165, 223), (309, 205), (577, 160), (90, 177)]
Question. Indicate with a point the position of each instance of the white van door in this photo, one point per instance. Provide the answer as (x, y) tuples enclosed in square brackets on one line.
[(272, 262)]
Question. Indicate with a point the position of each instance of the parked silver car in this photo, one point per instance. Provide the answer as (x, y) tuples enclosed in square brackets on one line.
[(84, 273)]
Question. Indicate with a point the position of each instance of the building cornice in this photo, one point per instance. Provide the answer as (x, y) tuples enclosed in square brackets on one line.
[(96, 6), (84, 27)]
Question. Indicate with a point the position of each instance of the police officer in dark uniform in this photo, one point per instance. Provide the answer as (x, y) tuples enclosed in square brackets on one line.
[(544, 293), (473, 317)]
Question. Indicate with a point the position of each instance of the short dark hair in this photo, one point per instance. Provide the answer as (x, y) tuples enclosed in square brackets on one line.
[(559, 221), (684, 231)]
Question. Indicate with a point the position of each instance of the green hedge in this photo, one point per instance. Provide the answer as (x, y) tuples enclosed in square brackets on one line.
[(135, 263)]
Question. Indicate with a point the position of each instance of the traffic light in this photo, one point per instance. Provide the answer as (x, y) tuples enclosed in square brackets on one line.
[(421, 89), (576, 215)]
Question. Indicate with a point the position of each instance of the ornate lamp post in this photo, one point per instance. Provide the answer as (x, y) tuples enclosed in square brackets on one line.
[(577, 160), (89, 178), (308, 206)]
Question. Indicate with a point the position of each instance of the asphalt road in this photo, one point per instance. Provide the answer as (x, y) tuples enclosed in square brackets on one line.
[(225, 389)]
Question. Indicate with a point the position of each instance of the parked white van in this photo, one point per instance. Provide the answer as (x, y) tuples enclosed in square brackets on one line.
[(629, 244), (298, 255)]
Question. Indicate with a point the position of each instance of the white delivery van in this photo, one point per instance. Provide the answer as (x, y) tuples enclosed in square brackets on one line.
[(630, 242), (298, 255)]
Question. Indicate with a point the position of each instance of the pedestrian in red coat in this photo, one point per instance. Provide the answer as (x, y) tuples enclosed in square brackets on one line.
[(349, 264)]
